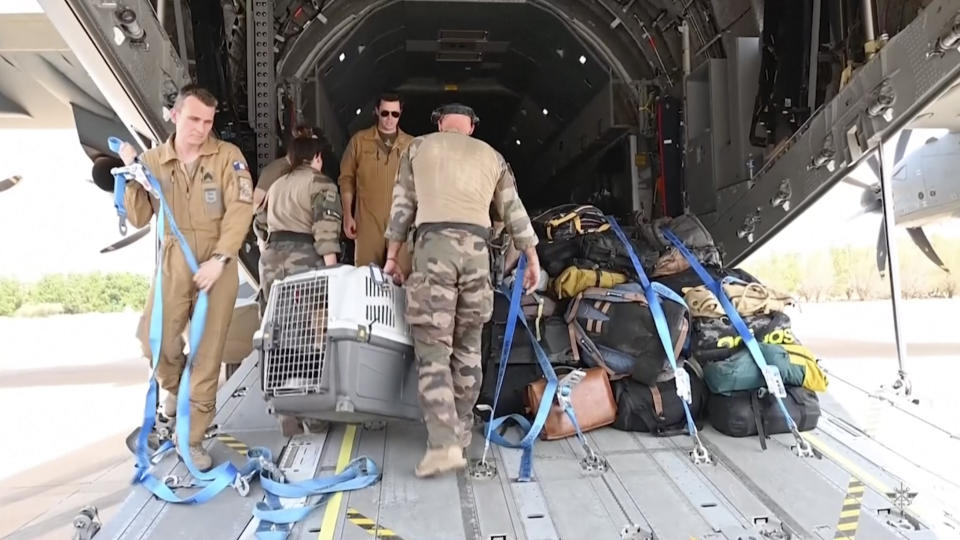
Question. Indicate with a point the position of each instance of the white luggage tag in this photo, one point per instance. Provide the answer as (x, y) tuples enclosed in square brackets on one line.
[(683, 384), (774, 381)]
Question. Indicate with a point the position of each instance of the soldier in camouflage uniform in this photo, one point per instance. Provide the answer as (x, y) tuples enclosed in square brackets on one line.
[(299, 219), (449, 292)]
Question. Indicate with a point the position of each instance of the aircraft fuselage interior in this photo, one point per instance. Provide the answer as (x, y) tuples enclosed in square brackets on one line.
[(723, 109)]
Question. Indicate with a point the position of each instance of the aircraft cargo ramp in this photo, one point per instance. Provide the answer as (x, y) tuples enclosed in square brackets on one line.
[(652, 489)]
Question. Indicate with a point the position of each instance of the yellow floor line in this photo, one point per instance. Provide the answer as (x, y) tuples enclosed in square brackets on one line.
[(329, 523)]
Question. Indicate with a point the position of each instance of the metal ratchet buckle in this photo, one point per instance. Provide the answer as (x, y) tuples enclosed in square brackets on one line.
[(699, 454), (173, 481), (136, 172), (273, 472), (242, 483), (802, 448), (481, 469), (593, 461)]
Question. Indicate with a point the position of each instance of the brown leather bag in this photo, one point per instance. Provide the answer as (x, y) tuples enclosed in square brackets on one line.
[(593, 404)]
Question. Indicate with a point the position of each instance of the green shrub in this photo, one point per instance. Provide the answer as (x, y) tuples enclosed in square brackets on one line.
[(91, 293), (12, 295)]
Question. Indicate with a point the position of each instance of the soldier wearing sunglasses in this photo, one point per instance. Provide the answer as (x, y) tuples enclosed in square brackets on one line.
[(367, 173)]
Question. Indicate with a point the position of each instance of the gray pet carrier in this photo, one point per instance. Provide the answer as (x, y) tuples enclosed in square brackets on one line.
[(334, 345)]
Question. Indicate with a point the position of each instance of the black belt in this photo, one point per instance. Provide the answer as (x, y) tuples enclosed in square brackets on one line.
[(289, 236), (472, 228)]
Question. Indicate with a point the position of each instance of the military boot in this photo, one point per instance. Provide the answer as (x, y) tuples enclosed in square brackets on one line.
[(170, 405), (441, 460), (201, 459), (466, 435)]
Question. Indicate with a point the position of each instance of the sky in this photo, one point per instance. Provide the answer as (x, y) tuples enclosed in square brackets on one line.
[(56, 220), (20, 6), (828, 223)]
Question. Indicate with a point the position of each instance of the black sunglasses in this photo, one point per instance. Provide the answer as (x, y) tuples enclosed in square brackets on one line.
[(395, 114)]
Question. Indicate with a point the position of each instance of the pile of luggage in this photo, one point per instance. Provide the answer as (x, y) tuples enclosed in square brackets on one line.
[(591, 312)]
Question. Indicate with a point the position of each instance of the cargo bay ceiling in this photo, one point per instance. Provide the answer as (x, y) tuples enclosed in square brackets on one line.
[(549, 80)]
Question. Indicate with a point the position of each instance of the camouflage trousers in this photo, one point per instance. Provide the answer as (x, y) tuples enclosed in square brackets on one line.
[(449, 298), (285, 258)]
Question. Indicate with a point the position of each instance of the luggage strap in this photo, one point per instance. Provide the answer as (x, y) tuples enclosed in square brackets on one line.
[(559, 389), (770, 373), (276, 520), (653, 292)]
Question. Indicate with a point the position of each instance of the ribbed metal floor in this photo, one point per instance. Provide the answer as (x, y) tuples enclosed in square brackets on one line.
[(651, 487)]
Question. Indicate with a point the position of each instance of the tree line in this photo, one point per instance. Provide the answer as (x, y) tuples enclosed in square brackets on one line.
[(850, 273)]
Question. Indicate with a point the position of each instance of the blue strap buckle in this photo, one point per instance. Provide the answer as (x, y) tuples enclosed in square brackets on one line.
[(770, 373), (653, 293)]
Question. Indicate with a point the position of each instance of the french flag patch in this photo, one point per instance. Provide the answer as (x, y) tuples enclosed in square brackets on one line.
[(239, 166)]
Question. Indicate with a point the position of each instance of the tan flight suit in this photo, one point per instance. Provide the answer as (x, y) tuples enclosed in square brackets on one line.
[(369, 169), (213, 209)]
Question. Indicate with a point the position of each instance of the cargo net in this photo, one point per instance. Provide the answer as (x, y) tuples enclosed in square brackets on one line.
[(293, 362)]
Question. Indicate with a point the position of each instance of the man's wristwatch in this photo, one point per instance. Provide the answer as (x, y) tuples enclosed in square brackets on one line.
[(221, 257)]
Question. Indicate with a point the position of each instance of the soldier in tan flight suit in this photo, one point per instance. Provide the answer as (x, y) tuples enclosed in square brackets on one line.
[(299, 219), (208, 186), (449, 293), (367, 173)]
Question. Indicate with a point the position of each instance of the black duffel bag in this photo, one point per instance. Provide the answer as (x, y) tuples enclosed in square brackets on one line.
[(743, 414), (607, 252), (522, 365), (556, 256), (657, 409), (715, 339)]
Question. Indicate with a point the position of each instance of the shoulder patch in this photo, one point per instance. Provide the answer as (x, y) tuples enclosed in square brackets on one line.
[(245, 190), (239, 166)]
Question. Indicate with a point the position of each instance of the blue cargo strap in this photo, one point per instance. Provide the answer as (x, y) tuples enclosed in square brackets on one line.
[(653, 292), (363, 472), (771, 373), (530, 430)]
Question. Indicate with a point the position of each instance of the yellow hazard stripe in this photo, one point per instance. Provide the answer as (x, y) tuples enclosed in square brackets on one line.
[(234, 444), (850, 512), (329, 523), (369, 525), (855, 470)]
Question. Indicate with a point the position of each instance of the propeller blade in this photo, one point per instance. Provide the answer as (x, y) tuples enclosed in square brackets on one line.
[(854, 182), (920, 239), (882, 251), (126, 241), (874, 165), (8, 183), (901, 146)]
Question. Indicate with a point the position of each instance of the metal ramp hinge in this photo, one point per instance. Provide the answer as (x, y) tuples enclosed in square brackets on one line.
[(86, 524), (635, 532)]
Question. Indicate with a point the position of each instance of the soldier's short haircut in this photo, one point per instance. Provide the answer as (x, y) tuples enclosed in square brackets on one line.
[(195, 90), (390, 97)]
